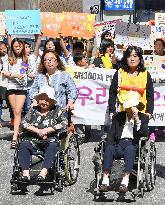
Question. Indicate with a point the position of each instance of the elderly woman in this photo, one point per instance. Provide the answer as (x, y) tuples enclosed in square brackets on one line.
[(132, 76), (41, 127), (127, 128), (52, 72)]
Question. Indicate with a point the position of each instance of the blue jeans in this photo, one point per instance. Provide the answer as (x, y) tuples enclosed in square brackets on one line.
[(28, 102), (125, 149), (26, 150)]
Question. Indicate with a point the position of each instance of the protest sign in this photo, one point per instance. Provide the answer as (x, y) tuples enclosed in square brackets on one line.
[(78, 25), (132, 34), (51, 23), (100, 27), (154, 63), (2, 23), (23, 21), (160, 25), (93, 93)]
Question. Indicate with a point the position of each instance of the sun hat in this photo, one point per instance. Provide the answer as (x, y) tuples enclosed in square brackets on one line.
[(130, 99), (49, 91)]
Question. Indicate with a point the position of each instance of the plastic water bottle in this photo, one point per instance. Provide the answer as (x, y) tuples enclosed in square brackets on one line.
[(152, 137)]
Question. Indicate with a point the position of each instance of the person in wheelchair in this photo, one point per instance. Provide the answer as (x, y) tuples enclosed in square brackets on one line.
[(41, 127), (127, 128)]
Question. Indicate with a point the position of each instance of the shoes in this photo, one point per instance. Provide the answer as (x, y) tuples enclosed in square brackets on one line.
[(104, 188), (13, 144), (25, 178), (123, 188), (41, 178)]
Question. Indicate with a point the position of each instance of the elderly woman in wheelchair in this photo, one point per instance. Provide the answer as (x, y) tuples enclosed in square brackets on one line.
[(41, 125), (126, 130)]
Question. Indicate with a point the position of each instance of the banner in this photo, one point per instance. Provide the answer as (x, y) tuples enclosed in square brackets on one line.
[(51, 23), (93, 93), (78, 25), (100, 27), (23, 21), (132, 34), (2, 23), (160, 25), (119, 4), (154, 63)]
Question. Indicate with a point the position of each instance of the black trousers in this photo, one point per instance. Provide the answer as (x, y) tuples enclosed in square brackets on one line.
[(125, 149), (26, 149)]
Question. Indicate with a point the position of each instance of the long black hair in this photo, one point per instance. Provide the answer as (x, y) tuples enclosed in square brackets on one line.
[(127, 53)]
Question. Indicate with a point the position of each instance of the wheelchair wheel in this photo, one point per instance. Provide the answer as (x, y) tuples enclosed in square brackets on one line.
[(71, 158), (150, 171)]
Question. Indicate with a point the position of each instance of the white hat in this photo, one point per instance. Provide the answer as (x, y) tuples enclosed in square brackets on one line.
[(49, 91), (130, 99)]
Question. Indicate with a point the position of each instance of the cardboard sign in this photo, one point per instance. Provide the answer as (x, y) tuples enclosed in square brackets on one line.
[(78, 25), (23, 21), (100, 27), (51, 23)]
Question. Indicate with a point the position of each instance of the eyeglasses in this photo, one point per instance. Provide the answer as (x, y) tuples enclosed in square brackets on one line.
[(50, 59)]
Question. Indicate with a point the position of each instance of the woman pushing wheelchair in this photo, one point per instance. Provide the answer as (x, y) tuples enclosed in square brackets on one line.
[(134, 88), (41, 125)]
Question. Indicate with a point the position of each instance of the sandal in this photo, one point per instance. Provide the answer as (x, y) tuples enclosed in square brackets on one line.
[(13, 144)]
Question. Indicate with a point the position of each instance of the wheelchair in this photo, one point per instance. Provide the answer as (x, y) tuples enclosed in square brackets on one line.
[(144, 170), (64, 171)]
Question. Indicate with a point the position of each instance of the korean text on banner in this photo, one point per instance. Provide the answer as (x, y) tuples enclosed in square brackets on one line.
[(23, 21), (119, 4), (2, 23), (93, 93), (78, 25), (51, 23)]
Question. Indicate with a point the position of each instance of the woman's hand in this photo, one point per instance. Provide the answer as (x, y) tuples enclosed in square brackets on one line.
[(21, 76), (113, 59), (135, 114), (34, 103)]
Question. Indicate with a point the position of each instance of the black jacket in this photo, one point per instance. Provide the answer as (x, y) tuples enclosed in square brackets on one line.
[(117, 127)]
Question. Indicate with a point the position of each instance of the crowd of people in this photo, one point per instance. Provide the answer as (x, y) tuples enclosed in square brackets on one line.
[(39, 88)]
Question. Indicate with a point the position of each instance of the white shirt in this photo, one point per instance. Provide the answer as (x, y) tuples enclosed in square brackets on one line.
[(128, 128)]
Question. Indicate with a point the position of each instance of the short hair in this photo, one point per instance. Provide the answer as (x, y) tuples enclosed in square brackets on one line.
[(78, 57), (78, 44), (58, 48), (105, 44), (127, 53), (104, 34), (41, 67), (161, 40)]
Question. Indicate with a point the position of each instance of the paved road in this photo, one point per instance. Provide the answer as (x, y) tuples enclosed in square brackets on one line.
[(81, 192)]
